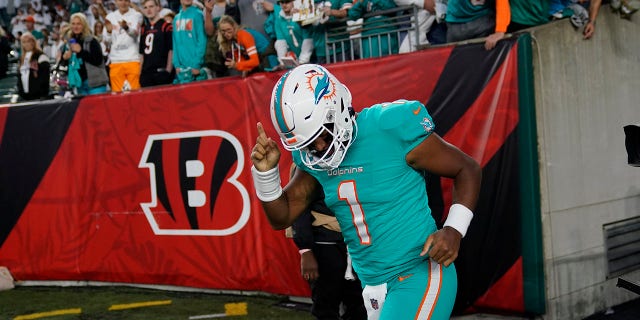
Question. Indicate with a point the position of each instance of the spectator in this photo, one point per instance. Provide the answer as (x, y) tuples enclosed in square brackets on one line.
[(169, 16), (122, 28), (221, 7), (48, 16), (375, 46), (33, 75), (60, 43), (29, 23), (469, 19), (578, 15), (4, 16), (47, 44), (83, 54), (56, 42), (254, 13), (156, 50), (625, 8), (98, 32), (425, 19), (75, 6), (528, 13), (325, 264), (96, 14), (189, 43), (37, 19), (214, 59), (36, 5), (17, 23), (5, 49), (238, 47), (333, 13), (111, 7), (590, 27), (291, 38)]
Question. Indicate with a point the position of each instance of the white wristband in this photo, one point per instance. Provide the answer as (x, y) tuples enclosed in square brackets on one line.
[(459, 218), (267, 184)]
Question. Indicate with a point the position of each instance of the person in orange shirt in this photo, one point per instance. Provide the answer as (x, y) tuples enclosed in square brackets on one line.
[(469, 19), (238, 47)]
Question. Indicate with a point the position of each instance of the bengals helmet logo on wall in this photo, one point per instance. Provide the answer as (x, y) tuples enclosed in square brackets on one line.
[(189, 171)]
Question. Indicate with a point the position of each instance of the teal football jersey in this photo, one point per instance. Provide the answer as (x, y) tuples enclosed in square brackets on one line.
[(379, 200)]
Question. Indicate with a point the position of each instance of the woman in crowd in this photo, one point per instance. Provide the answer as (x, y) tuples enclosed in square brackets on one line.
[(83, 55), (33, 78), (98, 27), (238, 47)]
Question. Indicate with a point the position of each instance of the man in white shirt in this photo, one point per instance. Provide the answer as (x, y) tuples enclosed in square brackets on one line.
[(122, 27)]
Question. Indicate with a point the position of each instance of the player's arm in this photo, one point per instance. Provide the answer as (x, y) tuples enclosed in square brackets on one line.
[(444, 159), (299, 193), (282, 206), (439, 157)]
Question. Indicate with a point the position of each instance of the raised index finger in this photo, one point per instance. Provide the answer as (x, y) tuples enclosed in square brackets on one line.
[(261, 133)]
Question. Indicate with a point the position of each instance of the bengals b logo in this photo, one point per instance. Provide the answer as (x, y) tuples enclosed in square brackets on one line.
[(189, 172)]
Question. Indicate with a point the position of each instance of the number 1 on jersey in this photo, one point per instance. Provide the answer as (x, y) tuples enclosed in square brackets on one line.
[(347, 192)]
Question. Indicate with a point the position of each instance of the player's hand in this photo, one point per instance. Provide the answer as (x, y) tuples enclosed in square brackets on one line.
[(195, 71), (492, 40), (309, 266), (265, 154), (443, 245)]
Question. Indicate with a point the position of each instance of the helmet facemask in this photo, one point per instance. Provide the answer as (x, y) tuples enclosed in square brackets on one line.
[(338, 141)]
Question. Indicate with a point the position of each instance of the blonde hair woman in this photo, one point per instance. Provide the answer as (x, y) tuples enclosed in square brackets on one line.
[(83, 54), (33, 78), (238, 46)]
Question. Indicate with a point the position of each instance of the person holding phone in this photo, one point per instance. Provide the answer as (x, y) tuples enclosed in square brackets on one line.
[(292, 40), (239, 47)]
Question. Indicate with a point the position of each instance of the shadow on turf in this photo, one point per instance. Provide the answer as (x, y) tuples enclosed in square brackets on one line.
[(293, 305)]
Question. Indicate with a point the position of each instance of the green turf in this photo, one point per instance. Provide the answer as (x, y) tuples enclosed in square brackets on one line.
[(94, 303)]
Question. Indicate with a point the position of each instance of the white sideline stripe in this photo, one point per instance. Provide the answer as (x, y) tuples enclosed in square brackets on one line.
[(208, 316)]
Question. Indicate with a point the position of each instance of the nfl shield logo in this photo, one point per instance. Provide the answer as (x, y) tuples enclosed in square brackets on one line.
[(374, 304)]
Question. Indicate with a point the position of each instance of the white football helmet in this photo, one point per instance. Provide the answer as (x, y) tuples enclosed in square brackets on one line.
[(306, 102)]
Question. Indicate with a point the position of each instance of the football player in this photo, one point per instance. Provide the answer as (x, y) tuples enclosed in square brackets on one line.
[(370, 165)]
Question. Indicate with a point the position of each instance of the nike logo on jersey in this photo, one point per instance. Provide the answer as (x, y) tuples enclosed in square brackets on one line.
[(403, 278), (417, 111)]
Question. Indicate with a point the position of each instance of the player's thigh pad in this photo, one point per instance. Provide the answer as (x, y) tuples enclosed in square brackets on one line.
[(426, 292)]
